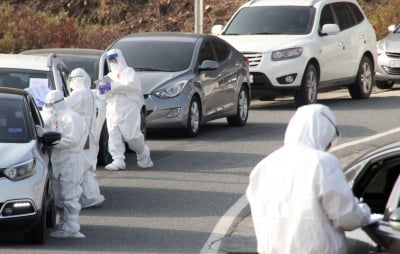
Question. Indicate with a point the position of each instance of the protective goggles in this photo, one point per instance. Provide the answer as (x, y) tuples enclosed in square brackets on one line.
[(50, 104), (70, 78), (334, 125)]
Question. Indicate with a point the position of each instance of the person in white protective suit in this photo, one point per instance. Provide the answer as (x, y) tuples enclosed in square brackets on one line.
[(82, 101), (299, 198), (122, 91), (66, 159)]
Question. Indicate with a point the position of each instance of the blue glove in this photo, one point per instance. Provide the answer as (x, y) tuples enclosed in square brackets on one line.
[(104, 87)]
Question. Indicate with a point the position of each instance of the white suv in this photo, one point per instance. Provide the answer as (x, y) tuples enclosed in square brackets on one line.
[(301, 47)]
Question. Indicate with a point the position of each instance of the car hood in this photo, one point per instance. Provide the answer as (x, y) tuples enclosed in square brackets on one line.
[(152, 80), (262, 43), (391, 43), (14, 153)]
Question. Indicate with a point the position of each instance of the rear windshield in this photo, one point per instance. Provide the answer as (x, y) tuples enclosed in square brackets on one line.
[(38, 83), (13, 125), (294, 20), (168, 56)]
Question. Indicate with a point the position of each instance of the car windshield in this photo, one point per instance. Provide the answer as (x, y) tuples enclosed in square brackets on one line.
[(13, 126), (170, 56), (89, 64), (38, 83), (293, 20)]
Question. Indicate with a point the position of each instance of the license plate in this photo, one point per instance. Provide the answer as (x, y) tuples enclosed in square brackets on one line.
[(395, 64)]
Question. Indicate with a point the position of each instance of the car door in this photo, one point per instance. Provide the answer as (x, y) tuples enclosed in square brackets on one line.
[(332, 48), (228, 71), (378, 184), (210, 79), (351, 43)]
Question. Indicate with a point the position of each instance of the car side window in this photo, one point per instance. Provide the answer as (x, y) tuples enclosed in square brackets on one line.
[(36, 117), (344, 16), (206, 53), (222, 51), (356, 12), (376, 185), (326, 17)]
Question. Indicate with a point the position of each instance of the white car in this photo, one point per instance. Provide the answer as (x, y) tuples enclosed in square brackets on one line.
[(38, 74), (301, 47), (388, 69)]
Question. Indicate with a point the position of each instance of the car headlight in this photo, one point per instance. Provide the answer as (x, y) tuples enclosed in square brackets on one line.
[(286, 54), (171, 90), (379, 48), (21, 171)]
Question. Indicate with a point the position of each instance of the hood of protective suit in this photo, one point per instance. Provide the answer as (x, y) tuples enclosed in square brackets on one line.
[(313, 126), (79, 79), (54, 103), (117, 54)]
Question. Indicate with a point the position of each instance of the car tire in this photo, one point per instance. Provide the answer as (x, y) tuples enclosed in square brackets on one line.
[(194, 118), (307, 94), (103, 156), (362, 88), (384, 84), (37, 234), (242, 112), (143, 122)]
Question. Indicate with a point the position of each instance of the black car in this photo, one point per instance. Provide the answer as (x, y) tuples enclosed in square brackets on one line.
[(26, 199)]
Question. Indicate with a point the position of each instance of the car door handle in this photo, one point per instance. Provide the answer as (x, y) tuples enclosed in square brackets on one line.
[(341, 44)]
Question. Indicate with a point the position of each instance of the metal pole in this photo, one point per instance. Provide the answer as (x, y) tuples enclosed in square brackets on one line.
[(198, 16)]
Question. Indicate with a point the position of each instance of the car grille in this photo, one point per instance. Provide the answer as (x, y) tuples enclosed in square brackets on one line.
[(254, 58), (393, 54), (391, 71)]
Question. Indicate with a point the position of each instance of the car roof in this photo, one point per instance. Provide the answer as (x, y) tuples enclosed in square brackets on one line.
[(8, 92), (283, 2), (172, 36), (30, 62), (64, 51)]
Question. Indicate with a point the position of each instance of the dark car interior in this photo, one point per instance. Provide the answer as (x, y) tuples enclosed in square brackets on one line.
[(375, 185)]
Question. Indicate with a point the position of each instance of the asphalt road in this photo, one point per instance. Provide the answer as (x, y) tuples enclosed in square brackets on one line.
[(174, 207)]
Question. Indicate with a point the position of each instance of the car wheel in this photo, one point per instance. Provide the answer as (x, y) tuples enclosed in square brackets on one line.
[(143, 121), (362, 88), (36, 234), (384, 84), (103, 157), (194, 118), (242, 113), (307, 94)]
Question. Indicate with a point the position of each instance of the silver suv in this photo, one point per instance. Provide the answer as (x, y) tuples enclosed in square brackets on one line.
[(301, 47)]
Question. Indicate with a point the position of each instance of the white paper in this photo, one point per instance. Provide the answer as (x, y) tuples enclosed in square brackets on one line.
[(38, 88)]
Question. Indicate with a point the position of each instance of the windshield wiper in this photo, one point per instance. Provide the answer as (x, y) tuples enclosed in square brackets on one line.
[(150, 69)]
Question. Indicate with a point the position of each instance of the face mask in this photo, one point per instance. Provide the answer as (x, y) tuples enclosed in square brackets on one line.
[(114, 67)]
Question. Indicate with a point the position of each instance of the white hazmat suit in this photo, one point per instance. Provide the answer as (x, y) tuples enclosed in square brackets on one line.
[(299, 198), (123, 94), (66, 159), (82, 101)]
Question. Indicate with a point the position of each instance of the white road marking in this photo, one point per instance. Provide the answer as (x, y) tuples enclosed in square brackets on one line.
[(225, 223)]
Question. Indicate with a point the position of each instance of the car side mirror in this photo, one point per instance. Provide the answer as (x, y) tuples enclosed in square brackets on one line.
[(391, 28), (50, 138), (394, 219), (208, 65), (330, 29), (217, 29)]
